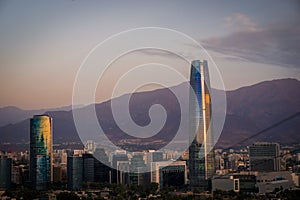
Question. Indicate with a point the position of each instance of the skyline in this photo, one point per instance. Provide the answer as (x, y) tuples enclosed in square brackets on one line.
[(149, 100), (43, 44)]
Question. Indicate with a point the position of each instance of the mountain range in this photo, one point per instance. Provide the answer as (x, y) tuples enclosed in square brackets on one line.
[(250, 110), (12, 114)]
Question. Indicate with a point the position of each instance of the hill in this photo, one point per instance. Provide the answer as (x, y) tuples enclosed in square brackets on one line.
[(249, 110)]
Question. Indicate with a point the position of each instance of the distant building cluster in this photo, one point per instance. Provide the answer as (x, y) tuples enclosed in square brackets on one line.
[(77, 169)]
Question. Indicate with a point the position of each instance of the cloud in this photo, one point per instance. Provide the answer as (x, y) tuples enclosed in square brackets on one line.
[(240, 22), (278, 44), (183, 53), (157, 52)]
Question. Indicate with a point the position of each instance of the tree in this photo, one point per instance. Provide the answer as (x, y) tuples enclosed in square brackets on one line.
[(27, 194), (67, 196), (153, 188)]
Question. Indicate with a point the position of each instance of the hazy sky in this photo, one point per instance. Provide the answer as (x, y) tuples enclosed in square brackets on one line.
[(43, 43)]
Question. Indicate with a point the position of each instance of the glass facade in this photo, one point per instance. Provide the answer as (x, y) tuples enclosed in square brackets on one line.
[(264, 157), (5, 173), (40, 151), (137, 167), (88, 167), (173, 175), (75, 172), (117, 161), (101, 169), (201, 155)]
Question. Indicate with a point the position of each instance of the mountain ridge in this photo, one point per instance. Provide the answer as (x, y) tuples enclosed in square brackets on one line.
[(250, 109)]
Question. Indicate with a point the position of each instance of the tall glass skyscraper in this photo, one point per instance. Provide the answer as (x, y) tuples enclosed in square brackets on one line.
[(88, 167), (75, 172), (5, 173), (101, 168), (40, 151), (201, 155)]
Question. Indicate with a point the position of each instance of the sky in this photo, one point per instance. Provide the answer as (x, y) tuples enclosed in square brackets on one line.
[(44, 43)]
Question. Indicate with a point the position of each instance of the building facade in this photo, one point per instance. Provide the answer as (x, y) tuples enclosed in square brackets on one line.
[(138, 171), (88, 167), (201, 154), (102, 169), (264, 157), (237, 182), (75, 172), (5, 173), (119, 162), (41, 151), (167, 173), (153, 156)]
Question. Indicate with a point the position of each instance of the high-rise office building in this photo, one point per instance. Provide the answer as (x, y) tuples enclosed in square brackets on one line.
[(168, 174), (138, 171), (123, 168), (88, 167), (153, 156), (201, 155), (75, 172), (173, 175), (16, 174), (119, 160), (40, 151), (57, 173), (5, 173), (101, 168), (264, 156)]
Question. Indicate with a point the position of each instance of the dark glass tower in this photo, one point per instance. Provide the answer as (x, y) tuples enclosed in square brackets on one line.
[(264, 157), (40, 151), (201, 155), (75, 172), (88, 167), (5, 173), (101, 168)]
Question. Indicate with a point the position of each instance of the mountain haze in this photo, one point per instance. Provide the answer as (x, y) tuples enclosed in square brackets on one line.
[(249, 110)]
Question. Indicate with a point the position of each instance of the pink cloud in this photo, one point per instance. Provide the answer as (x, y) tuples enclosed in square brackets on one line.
[(240, 22)]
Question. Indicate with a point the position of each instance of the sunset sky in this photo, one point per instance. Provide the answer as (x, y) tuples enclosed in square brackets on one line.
[(43, 43)]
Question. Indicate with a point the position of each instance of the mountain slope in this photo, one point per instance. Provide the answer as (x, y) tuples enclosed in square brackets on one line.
[(254, 108), (250, 110), (12, 114)]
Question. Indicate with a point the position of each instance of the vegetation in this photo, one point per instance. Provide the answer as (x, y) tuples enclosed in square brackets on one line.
[(67, 196), (150, 191)]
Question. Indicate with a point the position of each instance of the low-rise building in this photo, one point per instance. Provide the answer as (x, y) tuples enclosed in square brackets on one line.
[(270, 181)]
